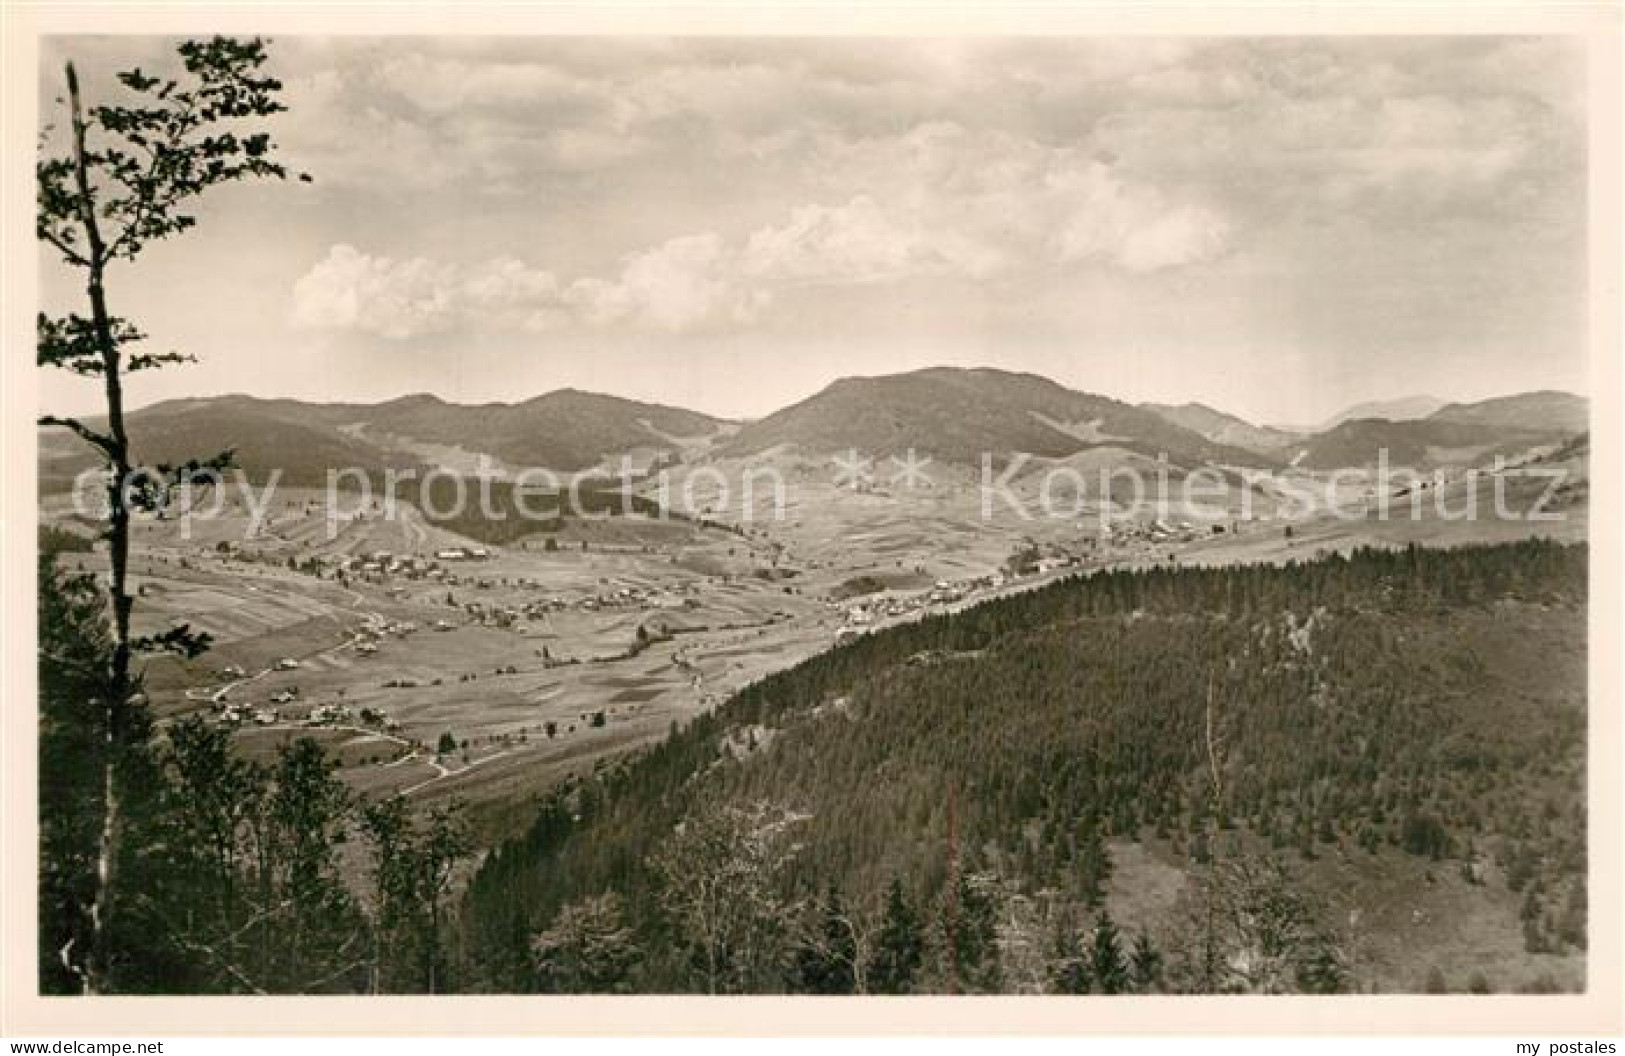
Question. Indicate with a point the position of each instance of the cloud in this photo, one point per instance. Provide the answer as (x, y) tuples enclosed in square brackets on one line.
[(1135, 228), (448, 86), (856, 164), (1182, 236), (683, 284), (1398, 134), (341, 133), (1028, 208), (857, 242), (967, 150), (349, 290), (680, 285), (981, 204), (404, 299)]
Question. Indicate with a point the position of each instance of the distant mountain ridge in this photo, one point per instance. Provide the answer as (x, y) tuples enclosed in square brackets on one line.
[(949, 414), (958, 414), (1416, 431), (1455, 434), (1397, 409), (1224, 428), (298, 441), (1541, 411), (567, 431)]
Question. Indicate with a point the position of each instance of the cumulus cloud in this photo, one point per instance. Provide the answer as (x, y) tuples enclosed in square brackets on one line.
[(696, 281), (1393, 129), (680, 285), (1023, 206), (1135, 228), (864, 163), (443, 85), (401, 299), (979, 204), (350, 290), (856, 242)]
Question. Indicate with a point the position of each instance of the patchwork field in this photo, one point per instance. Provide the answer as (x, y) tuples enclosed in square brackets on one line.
[(489, 679)]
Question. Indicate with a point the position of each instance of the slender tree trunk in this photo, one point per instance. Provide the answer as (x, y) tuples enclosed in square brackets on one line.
[(860, 958), (1213, 754), (266, 855), (118, 539), (951, 902), (434, 944)]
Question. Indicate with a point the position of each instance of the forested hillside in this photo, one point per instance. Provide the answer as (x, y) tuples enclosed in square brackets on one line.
[(300, 443), (245, 877), (940, 806), (959, 415)]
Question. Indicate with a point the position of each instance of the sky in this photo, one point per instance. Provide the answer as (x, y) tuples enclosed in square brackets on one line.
[(1277, 227)]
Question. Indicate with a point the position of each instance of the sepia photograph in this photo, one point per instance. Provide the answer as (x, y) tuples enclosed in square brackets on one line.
[(907, 514)]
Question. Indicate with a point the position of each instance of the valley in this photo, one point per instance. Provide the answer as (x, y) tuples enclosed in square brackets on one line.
[(451, 667), (1029, 510)]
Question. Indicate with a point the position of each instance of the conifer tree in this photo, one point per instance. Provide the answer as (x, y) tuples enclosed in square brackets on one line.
[(1145, 965), (1070, 963), (1107, 966), (826, 960), (899, 947)]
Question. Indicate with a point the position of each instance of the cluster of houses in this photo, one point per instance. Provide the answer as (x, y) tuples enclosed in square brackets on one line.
[(328, 715), (1031, 560), (235, 713), (1158, 532), (859, 616), (605, 600), (463, 553), (367, 639), (231, 713), (490, 615), (674, 597), (375, 565)]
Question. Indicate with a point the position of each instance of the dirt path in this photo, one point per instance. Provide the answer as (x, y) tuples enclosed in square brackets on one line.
[(216, 695), (445, 772)]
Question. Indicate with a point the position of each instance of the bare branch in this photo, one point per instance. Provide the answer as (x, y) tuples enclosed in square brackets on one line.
[(62, 247), (100, 442)]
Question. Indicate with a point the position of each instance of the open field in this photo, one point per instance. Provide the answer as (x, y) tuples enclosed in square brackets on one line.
[(571, 647)]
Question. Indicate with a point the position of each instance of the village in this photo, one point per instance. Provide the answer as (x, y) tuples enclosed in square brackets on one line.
[(431, 663)]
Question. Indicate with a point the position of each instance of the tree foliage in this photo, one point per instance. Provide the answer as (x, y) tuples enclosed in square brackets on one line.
[(589, 949), (120, 175), (1336, 700)]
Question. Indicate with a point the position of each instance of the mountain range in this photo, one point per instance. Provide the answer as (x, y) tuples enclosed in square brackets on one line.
[(1421, 431), (1225, 428), (1397, 409), (952, 415)]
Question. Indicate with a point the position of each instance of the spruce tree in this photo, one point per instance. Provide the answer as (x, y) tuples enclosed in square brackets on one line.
[(826, 960), (1094, 863), (1106, 959), (1145, 965), (972, 936), (1069, 972), (900, 947)]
